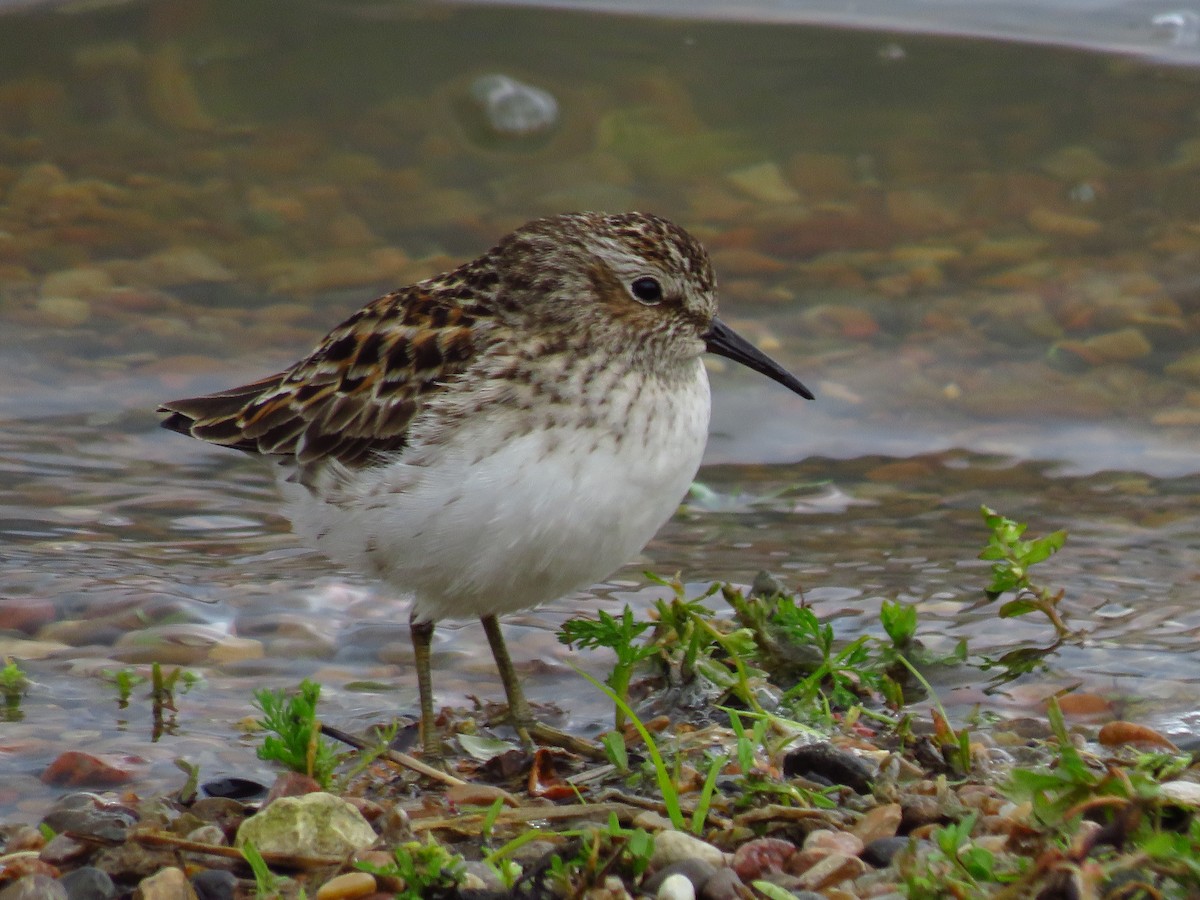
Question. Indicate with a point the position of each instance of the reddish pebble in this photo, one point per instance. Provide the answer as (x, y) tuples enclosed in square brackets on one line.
[(833, 841), (74, 768), (1116, 734), (291, 784), (761, 855)]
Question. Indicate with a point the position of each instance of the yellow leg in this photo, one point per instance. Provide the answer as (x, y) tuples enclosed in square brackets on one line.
[(422, 640), (518, 707)]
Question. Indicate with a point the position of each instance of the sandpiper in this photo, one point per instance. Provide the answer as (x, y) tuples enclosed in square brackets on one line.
[(500, 435)]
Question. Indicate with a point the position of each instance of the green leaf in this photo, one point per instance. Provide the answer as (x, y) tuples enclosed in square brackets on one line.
[(1014, 608), (1044, 548)]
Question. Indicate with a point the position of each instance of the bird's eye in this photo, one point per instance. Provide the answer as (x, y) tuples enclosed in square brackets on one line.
[(646, 289)]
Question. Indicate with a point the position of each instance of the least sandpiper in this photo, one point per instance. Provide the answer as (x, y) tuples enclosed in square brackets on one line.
[(498, 436)]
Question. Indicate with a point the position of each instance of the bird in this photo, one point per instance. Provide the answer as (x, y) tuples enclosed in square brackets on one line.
[(495, 437)]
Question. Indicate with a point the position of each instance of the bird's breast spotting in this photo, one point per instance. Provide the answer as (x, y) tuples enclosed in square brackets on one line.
[(506, 516)]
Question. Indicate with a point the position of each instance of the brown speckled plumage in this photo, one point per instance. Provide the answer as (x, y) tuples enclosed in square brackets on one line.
[(495, 437)]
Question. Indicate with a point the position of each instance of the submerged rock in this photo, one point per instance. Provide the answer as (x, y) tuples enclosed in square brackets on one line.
[(512, 108)]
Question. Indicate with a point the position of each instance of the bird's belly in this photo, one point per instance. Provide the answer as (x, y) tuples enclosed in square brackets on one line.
[(496, 521)]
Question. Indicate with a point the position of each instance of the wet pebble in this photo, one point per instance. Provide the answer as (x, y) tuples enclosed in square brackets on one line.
[(826, 764), (88, 883), (834, 868), (1058, 224), (1184, 793), (214, 884), (880, 851), (675, 846), (697, 871), (34, 887), (317, 824), (919, 810), (723, 885), (512, 108), (89, 815), (765, 182), (755, 858), (62, 849), (166, 884), (676, 887), (75, 768), (878, 822), (347, 886)]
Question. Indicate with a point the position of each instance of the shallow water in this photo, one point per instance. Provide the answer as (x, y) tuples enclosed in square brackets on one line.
[(981, 256)]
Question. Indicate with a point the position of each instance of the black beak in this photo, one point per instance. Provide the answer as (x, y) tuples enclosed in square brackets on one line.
[(724, 341)]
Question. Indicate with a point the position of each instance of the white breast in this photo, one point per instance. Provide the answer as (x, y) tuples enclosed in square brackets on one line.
[(499, 519)]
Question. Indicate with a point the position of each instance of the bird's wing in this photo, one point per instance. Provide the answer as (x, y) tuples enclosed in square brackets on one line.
[(357, 393)]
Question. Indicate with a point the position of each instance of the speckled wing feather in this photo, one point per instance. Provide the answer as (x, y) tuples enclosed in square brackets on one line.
[(358, 392)]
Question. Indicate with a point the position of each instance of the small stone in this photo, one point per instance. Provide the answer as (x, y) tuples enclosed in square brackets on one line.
[(918, 810), (756, 857), (347, 886), (234, 649), (697, 871), (89, 883), (833, 868), (835, 841), (317, 824), (291, 784), (1076, 163), (825, 764), (1186, 367), (676, 887), (74, 768), (166, 884), (85, 282), (880, 851), (1185, 793), (62, 850), (177, 265), (723, 885), (765, 182), (24, 837), (215, 884), (64, 311), (880, 822), (920, 211), (512, 108), (207, 834), (88, 815), (674, 846), (1116, 734), (34, 887), (1048, 221), (1125, 345)]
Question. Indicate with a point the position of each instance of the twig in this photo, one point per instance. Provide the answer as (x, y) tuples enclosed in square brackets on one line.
[(395, 756)]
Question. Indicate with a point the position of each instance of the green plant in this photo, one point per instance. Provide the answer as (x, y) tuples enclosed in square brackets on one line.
[(162, 692), (618, 635), (266, 883), (1012, 557), (597, 852), (13, 685), (662, 776), (296, 740), (956, 867), (126, 680), (841, 676), (427, 870)]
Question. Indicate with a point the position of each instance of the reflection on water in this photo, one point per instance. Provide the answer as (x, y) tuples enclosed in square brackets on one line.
[(983, 257)]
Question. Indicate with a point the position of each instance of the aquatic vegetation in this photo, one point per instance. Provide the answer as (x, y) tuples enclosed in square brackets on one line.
[(1012, 558)]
